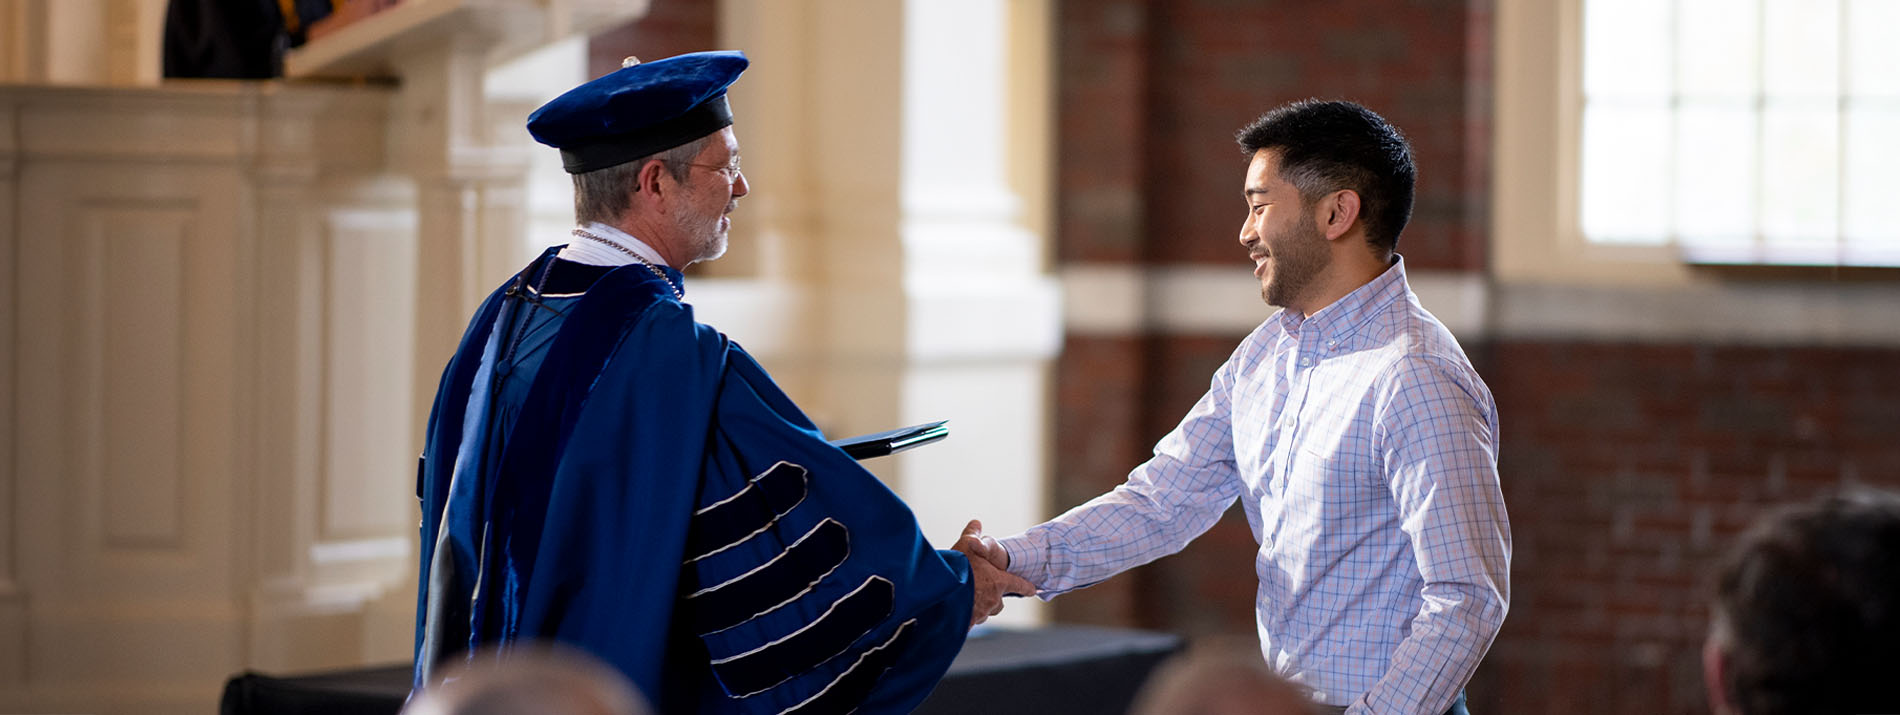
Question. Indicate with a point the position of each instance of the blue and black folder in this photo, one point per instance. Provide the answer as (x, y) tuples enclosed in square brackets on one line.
[(882, 444)]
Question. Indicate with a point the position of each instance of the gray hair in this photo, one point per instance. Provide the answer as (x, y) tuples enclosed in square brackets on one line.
[(602, 194)]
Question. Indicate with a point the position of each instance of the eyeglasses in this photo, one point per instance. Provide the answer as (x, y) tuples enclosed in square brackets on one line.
[(730, 171)]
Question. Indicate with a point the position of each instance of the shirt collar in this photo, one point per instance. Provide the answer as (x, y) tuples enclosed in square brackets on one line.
[(1344, 316), (581, 250)]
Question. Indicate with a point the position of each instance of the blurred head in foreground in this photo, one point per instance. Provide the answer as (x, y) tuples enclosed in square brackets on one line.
[(1807, 611), (530, 681), (1219, 679)]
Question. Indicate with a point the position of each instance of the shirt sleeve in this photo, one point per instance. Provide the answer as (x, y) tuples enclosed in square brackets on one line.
[(1437, 435), (1166, 502)]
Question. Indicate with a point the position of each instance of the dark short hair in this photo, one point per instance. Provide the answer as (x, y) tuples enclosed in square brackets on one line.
[(1807, 608), (1326, 146)]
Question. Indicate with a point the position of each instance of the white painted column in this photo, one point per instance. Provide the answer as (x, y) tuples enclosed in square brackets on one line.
[(887, 146), (438, 134), (984, 318), (514, 90)]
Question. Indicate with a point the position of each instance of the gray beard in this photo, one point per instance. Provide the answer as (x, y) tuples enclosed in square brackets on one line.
[(714, 251), (707, 246)]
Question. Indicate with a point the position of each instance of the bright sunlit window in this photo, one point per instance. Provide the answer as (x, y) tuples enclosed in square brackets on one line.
[(1744, 131)]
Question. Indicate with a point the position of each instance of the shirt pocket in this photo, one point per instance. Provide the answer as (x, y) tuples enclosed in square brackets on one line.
[(1333, 451)]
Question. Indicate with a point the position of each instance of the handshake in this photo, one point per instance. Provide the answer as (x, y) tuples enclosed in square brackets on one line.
[(989, 569)]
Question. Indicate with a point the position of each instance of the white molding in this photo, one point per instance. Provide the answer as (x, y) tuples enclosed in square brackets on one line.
[(392, 548), (1201, 299), (765, 317), (941, 322), (1111, 300), (1749, 314), (973, 322), (1122, 300), (1460, 300), (1103, 299), (199, 121)]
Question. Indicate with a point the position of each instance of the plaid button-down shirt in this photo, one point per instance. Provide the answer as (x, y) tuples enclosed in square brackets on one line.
[(1363, 448)]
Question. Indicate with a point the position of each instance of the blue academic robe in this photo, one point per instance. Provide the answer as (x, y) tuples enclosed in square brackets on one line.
[(651, 497)]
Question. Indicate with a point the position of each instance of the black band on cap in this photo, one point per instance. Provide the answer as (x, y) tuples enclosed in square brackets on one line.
[(710, 116)]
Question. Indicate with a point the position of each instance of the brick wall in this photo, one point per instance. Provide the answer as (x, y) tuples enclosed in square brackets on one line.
[(1152, 93), (1115, 396), (1101, 125), (1627, 470), (1627, 467)]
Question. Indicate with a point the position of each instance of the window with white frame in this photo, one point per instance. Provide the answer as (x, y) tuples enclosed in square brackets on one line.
[(1743, 131)]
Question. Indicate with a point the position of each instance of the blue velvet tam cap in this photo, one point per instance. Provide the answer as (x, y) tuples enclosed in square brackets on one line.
[(638, 110)]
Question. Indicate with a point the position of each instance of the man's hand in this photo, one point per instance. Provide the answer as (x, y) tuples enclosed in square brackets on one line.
[(991, 580)]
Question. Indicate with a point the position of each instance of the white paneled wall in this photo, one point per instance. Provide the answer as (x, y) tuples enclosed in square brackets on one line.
[(209, 331)]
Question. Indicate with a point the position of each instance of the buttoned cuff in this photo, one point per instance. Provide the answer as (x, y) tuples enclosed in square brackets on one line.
[(1028, 559)]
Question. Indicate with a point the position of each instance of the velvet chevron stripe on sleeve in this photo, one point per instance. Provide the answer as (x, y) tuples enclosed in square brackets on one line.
[(748, 513), (847, 620), (775, 583)]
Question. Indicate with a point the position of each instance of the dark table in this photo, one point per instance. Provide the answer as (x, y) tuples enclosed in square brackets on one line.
[(1058, 669)]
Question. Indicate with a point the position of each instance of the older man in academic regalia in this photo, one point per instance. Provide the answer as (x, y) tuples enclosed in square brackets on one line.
[(603, 471)]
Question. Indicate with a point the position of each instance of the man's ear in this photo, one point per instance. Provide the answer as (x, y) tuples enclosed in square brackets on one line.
[(649, 179), (1337, 211)]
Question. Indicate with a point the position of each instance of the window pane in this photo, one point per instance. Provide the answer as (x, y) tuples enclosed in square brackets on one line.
[(1720, 52), (1801, 49), (1873, 48), (1800, 182), (1715, 173), (1626, 48), (1872, 150), (1625, 173)]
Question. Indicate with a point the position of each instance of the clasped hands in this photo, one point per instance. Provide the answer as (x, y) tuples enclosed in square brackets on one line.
[(989, 564)]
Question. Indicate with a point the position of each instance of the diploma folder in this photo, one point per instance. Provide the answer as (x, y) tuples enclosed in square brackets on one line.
[(880, 444)]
